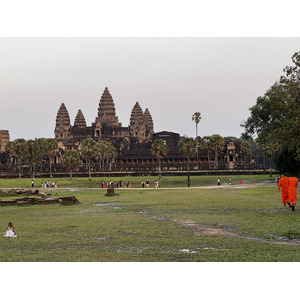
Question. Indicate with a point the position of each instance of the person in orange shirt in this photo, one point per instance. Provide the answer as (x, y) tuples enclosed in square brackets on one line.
[(283, 184), (293, 183)]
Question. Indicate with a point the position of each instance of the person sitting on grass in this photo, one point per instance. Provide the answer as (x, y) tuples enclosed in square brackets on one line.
[(10, 230)]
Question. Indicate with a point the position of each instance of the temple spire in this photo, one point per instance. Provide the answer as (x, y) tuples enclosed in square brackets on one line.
[(80, 120), (106, 111)]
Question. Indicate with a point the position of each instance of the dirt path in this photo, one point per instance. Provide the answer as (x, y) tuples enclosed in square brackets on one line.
[(206, 230)]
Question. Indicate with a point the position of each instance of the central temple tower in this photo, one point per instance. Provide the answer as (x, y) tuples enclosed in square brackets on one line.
[(106, 111)]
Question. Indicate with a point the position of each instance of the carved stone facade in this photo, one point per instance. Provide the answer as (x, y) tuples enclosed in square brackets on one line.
[(106, 126), (4, 138)]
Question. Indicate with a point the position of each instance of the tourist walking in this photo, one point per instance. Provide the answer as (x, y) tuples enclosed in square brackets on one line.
[(230, 181), (219, 181), (147, 183), (32, 184), (292, 185), (283, 185)]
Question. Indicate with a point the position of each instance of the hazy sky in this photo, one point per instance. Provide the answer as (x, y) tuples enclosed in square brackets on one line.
[(172, 77)]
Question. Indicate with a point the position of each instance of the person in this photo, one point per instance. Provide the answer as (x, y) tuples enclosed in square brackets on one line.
[(10, 230), (32, 184), (121, 183), (55, 184), (230, 181), (143, 184), (219, 181), (42, 183), (283, 185), (147, 182), (292, 185)]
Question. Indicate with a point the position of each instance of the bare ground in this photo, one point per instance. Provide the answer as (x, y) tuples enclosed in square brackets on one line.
[(201, 229)]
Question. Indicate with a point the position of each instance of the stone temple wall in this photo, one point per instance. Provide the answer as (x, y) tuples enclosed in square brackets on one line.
[(4, 138)]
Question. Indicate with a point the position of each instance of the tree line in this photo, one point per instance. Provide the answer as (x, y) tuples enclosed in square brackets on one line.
[(274, 121), (34, 152)]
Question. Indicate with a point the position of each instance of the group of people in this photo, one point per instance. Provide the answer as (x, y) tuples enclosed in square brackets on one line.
[(48, 184), (229, 181), (288, 186)]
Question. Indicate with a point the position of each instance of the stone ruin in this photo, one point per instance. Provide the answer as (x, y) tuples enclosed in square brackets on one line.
[(4, 138), (44, 199)]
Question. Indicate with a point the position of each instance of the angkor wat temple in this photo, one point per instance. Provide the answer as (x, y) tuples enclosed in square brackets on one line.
[(133, 143)]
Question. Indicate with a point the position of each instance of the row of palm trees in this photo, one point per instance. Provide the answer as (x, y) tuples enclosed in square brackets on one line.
[(32, 152), (91, 150)]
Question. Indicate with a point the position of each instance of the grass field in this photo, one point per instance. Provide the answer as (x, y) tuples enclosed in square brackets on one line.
[(235, 223)]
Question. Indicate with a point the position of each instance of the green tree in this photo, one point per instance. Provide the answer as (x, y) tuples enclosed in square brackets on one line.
[(17, 148), (217, 144), (275, 118), (51, 149), (101, 152), (71, 161), (111, 154), (35, 153), (188, 148), (246, 148), (160, 150), (88, 151), (197, 117), (206, 145)]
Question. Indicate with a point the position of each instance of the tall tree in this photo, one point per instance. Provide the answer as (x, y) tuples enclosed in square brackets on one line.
[(197, 117), (160, 150), (111, 154), (71, 161), (188, 148), (51, 149), (88, 151), (246, 148), (18, 148), (217, 145), (274, 118), (206, 145), (101, 152)]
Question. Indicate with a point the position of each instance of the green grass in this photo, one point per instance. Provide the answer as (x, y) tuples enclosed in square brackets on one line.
[(146, 225), (136, 181)]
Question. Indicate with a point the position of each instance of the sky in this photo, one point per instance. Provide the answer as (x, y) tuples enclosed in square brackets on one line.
[(220, 77)]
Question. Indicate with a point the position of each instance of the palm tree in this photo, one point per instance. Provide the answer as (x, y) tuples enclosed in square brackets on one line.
[(111, 154), (217, 144), (206, 145), (100, 152), (160, 150), (197, 117), (51, 149), (246, 148), (17, 148), (71, 160), (188, 148), (88, 151)]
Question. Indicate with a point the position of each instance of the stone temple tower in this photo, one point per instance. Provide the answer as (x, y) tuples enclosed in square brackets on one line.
[(137, 122), (106, 111), (80, 120), (63, 125), (149, 123)]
